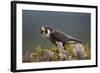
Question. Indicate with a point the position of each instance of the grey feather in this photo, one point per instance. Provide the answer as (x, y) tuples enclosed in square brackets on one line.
[(62, 37)]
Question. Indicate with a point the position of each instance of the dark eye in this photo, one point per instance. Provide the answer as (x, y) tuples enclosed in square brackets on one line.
[(46, 31)]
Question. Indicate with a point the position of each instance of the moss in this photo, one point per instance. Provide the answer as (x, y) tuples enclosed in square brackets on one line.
[(68, 49), (41, 54), (87, 53)]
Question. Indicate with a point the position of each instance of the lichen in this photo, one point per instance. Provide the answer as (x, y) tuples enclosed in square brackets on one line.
[(41, 54)]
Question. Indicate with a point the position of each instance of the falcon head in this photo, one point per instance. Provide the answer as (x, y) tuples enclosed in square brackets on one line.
[(46, 31)]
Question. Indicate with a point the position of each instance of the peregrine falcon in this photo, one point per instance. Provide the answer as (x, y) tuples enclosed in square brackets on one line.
[(60, 39)]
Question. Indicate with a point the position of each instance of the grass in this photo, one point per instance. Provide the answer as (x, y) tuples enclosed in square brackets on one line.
[(41, 54)]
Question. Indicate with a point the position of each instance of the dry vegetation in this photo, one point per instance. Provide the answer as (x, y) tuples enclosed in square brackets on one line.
[(41, 54)]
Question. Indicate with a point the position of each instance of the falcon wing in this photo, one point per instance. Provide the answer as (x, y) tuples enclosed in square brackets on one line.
[(62, 37)]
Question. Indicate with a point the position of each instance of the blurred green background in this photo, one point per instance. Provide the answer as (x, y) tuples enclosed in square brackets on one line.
[(74, 24)]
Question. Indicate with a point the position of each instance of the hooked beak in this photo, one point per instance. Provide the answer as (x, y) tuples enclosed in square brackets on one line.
[(41, 31)]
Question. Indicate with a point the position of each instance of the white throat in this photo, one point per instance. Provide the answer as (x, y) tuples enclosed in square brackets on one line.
[(48, 34)]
